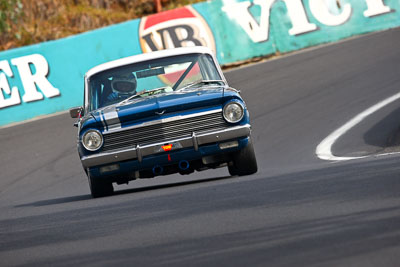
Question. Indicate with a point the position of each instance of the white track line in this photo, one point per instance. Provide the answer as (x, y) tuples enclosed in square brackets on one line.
[(324, 149)]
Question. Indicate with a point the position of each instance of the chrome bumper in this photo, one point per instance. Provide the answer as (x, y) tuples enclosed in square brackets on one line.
[(138, 152)]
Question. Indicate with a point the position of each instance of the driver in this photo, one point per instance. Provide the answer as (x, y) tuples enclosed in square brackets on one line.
[(123, 86)]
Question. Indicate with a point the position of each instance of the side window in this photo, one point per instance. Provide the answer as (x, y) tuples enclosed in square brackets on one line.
[(94, 94), (208, 68), (95, 97)]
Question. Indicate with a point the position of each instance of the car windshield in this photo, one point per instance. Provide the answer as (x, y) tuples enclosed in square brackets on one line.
[(150, 78)]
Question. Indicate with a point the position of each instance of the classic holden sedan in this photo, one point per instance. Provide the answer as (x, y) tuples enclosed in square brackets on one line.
[(160, 113)]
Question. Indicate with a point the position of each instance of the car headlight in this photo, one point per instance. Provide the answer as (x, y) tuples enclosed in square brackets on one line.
[(233, 112), (92, 140)]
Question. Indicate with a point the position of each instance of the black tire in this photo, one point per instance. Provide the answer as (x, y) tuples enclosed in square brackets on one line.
[(244, 161), (100, 188)]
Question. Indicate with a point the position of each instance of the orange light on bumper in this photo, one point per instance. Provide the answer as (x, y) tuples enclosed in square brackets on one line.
[(167, 147)]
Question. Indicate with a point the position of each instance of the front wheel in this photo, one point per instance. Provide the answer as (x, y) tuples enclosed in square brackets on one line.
[(100, 188), (244, 161)]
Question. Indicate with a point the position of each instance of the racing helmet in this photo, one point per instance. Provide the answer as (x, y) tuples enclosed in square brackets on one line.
[(124, 84)]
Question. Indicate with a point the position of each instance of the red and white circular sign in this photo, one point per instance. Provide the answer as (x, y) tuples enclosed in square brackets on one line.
[(180, 27)]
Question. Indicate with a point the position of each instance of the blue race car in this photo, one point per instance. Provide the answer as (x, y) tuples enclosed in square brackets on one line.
[(161, 113)]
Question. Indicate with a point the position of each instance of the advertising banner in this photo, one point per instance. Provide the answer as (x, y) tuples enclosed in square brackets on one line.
[(289, 25), (48, 77)]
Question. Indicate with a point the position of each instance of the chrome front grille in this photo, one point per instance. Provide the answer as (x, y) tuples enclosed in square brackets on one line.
[(164, 131)]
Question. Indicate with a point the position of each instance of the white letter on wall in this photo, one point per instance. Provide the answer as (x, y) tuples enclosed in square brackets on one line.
[(322, 13), (14, 98), (29, 80), (241, 14), (298, 17), (259, 32), (376, 7)]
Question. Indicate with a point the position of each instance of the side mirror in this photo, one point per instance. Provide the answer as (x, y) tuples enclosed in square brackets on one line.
[(75, 112)]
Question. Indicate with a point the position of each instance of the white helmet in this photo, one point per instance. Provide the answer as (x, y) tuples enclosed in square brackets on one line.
[(124, 84)]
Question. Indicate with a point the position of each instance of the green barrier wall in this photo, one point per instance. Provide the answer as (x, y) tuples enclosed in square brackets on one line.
[(48, 77), (68, 59)]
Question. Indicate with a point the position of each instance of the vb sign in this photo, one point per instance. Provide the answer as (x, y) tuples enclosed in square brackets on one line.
[(180, 27)]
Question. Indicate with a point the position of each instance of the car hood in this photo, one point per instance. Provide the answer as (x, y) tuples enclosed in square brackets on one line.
[(144, 109)]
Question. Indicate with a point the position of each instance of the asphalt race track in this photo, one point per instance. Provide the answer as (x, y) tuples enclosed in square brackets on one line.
[(298, 210)]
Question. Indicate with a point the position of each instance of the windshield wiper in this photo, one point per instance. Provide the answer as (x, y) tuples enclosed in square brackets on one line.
[(139, 94), (200, 82)]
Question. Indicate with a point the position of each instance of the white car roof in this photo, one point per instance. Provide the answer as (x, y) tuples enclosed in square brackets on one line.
[(148, 56)]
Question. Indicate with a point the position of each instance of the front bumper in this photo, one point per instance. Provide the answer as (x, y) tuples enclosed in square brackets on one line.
[(138, 152)]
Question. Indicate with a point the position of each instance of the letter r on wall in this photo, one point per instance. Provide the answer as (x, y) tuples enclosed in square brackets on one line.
[(30, 80)]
